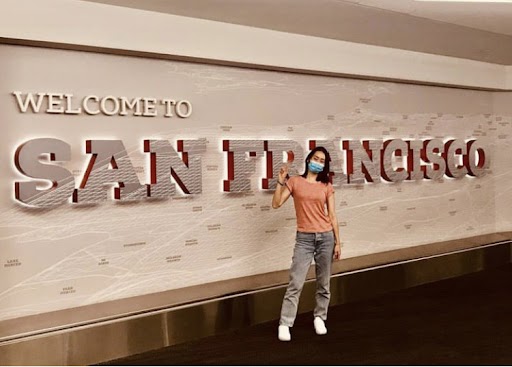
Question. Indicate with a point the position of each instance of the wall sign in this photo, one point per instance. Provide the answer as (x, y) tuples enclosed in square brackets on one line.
[(354, 162), (127, 176), (68, 104)]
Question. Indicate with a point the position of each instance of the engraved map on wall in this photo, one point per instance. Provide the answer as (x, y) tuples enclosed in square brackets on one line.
[(77, 255)]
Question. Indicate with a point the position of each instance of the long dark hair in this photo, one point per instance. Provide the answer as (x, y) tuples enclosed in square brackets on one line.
[(324, 175)]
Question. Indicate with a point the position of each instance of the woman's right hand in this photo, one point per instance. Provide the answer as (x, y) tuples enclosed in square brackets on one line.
[(283, 172), (280, 194)]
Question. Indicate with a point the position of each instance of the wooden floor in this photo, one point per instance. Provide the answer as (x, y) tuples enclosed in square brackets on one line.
[(461, 321)]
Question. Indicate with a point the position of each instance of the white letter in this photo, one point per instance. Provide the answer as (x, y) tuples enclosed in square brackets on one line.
[(241, 164), (103, 105), (434, 155), (149, 107), (69, 111), (55, 106), (86, 108), (477, 160), (414, 166), (178, 109), (23, 105), (28, 161), (126, 104), (453, 150), (109, 164), (393, 148), (363, 160), (168, 106)]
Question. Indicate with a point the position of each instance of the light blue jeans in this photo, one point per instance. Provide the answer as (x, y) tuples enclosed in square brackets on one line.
[(319, 246)]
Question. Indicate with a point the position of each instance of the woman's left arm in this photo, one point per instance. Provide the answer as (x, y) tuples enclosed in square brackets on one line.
[(331, 209)]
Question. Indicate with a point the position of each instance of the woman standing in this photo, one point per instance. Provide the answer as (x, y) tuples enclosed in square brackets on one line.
[(317, 237)]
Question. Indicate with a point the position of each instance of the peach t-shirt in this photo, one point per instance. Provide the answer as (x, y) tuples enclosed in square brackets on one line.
[(310, 200)]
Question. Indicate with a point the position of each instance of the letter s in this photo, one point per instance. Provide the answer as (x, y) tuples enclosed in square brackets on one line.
[(28, 161)]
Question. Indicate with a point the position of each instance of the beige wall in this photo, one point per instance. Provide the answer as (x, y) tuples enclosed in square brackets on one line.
[(502, 105), (85, 249), (106, 27), (232, 235)]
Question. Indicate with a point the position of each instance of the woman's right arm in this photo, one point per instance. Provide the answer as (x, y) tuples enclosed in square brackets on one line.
[(282, 193)]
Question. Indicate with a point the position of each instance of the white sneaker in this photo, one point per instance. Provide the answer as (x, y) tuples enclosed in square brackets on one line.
[(283, 333), (319, 324)]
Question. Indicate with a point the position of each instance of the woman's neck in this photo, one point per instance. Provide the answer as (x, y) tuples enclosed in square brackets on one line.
[(311, 177)]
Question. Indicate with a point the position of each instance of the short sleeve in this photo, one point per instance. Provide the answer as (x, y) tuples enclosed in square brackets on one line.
[(290, 183), (330, 190)]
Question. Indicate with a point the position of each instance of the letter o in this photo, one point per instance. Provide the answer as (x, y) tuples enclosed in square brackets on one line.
[(103, 105), (476, 160), (453, 148), (179, 112)]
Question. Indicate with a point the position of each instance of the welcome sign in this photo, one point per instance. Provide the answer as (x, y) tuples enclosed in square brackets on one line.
[(366, 161), (128, 176)]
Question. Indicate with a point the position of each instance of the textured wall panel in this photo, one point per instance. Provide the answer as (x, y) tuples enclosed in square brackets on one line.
[(74, 255)]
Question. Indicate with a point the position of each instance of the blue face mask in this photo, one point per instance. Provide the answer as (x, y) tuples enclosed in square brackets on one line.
[(315, 167)]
